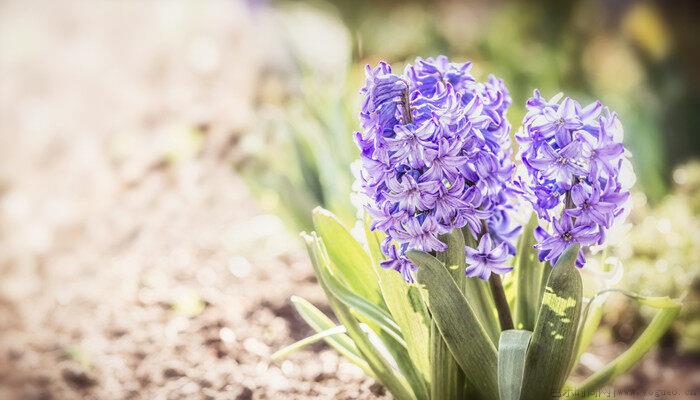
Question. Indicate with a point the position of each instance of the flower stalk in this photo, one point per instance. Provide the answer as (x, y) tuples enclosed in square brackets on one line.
[(499, 297)]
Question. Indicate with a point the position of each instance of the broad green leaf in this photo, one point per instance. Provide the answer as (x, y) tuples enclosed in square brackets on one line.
[(406, 365), (352, 264), (394, 381), (448, 380), (529, 272), (362, 306), (458, 324), (512, 350), (409, 312), (319, 322), (669, 310), (552, 347), (294, 347)]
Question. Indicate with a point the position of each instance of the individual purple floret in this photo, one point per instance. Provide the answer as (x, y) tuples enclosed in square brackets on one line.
[(486, 259), (434, 156), (573, 156)]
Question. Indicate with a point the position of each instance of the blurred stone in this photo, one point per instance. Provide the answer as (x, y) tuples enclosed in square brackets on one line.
[(245, 394), (78, 378)]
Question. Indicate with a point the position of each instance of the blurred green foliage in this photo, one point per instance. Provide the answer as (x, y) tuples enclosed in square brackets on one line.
[(661, 253), (300, 157)]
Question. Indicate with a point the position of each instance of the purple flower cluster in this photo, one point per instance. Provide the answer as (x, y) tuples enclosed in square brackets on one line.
[(435, 156), (573, 156)]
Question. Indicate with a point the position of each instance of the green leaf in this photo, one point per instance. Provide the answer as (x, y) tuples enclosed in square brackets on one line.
[(552, 347), (590, 320), (553, 341), (394, 381), (448, 380), (448, 377), (307, 163), (669, 310), (409, 312), (352, 264), (362, 306), (529, 273), (294, 347), (319, 322), (373, 240), (458, 324), (512, 350)]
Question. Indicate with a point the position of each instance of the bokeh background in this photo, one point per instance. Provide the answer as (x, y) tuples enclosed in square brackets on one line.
[(158, 158)]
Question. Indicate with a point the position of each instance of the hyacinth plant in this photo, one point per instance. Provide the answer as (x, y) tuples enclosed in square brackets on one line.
[(418, 290)]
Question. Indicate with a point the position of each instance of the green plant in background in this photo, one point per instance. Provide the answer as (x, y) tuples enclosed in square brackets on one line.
[(418, 294), (312, 157), (299, 154), (660, 255)]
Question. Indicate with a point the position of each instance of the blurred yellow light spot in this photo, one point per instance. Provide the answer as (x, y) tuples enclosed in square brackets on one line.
[(189, 304), (611, 65), (639, 199), (643, 25), (184, 144), (664, 226), (680, 176), (661, 266)]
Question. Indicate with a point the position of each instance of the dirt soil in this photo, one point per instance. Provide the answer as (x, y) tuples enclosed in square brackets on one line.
[(133, 262)]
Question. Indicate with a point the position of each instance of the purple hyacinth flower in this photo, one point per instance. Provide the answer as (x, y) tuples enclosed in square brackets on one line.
[(435, 155), (486, 259), (412, 194), (589, 207), (444, 162), (383, 94), (449, 202), (472, 211), (410, 143), (388, 218), (572, 153), (396, 261), (502, 230), (565, 234), (559, 122), (560, 165), (428, 74), (548, 195), (602, 150), (421, 236)]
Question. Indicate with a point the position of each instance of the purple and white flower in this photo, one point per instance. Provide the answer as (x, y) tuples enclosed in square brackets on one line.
[(435, 156), (573, 156), (487, 259)]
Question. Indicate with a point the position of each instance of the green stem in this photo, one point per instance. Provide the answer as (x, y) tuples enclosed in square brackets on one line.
[(499, 297)]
